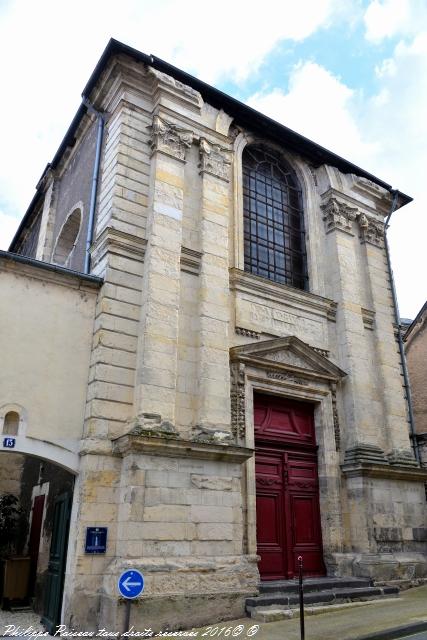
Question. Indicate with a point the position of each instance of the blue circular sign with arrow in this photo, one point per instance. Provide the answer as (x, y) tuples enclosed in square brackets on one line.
[(131, 583)]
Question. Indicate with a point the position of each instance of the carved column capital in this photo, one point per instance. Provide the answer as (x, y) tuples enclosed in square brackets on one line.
[(338, 215), (371, 231), (169, 138), (215, 160)]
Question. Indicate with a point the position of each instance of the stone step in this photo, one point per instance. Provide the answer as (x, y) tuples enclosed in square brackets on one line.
[(326, 597), (273, 614), (312, 584)]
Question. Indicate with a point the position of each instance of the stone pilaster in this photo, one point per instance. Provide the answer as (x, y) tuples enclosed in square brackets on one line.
[(386, 347), (353, 349), (158, 332), (213, 357)]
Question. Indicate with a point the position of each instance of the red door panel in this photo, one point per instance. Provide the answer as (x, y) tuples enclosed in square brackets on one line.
[(270, 514), (288, 515), (287, 421), (270, 535)]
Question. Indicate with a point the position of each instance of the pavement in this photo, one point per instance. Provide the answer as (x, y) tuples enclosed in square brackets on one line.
[(23, 619), (374, 620), (404, 618)]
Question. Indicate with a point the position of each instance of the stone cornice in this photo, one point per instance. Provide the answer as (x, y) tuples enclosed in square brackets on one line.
[(267, 290), (177, 447), (190, 260), (118, 242), (168, 89), (381, 197), (390, 472)]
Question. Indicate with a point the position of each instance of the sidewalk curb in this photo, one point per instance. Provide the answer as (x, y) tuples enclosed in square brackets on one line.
[(396, 632)]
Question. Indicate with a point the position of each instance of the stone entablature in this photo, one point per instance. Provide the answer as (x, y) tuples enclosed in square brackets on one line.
[(278, 310)]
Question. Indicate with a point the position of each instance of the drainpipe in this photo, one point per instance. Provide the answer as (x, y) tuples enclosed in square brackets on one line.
[(406, 384), (95, 179)]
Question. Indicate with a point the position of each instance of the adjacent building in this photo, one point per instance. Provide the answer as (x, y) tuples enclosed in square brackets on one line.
[(416, 355)]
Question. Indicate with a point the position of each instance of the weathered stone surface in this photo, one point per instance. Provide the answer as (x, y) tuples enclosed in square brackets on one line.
[(167, 458)]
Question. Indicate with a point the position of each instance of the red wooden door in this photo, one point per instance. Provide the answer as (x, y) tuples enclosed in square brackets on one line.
[(288, 516)]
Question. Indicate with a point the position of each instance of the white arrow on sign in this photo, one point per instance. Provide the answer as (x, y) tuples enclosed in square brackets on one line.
[(127, 584)]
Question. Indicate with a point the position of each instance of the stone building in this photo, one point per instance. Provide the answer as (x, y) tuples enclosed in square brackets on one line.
[(416, 355), (216, 360)]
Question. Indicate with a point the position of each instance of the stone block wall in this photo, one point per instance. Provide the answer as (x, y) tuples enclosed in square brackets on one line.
[(163, 457)]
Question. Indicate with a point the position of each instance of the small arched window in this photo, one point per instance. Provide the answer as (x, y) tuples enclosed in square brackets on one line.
[(273, 218), (11, 423), (67, 238)]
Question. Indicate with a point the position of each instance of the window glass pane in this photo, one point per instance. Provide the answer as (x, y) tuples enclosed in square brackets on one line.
[(273, 218)]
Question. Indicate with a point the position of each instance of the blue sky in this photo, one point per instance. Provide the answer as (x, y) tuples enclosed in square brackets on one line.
[(349, 74)]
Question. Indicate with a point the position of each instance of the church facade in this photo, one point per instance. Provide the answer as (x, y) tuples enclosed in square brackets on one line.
[(243, 404)]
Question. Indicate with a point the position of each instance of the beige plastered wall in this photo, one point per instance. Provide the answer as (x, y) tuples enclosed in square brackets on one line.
[(45, 340)]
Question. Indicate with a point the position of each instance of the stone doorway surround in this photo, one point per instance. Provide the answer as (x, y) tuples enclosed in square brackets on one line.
[(290, 368)]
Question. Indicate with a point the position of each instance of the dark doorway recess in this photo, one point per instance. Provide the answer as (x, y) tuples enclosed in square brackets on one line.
[(34, 541), (287, 487), (57, 559)]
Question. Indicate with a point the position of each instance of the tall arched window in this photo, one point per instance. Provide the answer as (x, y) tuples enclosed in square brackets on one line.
[(67, 238), (273, 218)]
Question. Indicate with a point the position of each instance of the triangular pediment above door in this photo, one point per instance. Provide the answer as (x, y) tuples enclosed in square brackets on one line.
[(290, 354)]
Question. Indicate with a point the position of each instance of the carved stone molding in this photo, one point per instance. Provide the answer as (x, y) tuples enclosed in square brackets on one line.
[(190, 260), (371, 231), (402, 458), (238, 400), (214, 160), (368, 318), (169, 138), (277, 375), (338, 215), (248, 333), (322, 352), (337, 431), (380, 197), (364, 453), (165, 79)]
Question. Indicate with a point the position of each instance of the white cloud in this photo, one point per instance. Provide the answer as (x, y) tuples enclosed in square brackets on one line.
[(394, 17), (50, 48), (318, 105), (385, 134)]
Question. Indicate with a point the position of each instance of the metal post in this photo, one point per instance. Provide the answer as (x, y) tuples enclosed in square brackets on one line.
[(301, 601), (127, 616)]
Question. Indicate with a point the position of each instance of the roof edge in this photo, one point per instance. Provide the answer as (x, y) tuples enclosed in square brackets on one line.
[(47, 266), (415, 322)]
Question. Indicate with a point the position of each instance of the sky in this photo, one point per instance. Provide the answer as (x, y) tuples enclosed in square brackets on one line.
[(349, 74)]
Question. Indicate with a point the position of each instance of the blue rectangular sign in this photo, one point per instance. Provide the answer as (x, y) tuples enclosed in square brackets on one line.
[(96, 540), (9, 443)]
